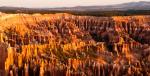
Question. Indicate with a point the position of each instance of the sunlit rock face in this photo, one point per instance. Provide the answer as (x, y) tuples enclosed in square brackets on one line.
[(69, 45)]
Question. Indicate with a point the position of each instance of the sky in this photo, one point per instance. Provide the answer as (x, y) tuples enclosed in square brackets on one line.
[(60, 3)]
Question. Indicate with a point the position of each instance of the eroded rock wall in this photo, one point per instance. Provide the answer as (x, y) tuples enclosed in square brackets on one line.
[(64, 44)]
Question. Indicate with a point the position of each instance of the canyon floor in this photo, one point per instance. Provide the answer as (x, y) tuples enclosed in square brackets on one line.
[(69, 45)]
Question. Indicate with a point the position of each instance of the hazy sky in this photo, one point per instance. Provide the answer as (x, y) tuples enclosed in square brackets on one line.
[(60, 3)]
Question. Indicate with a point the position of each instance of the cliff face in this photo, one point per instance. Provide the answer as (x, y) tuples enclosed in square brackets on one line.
[(3, 54), (64, 44)]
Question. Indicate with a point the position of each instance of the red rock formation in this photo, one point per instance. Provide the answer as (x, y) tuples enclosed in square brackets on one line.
[(3, 54), (68, 45)]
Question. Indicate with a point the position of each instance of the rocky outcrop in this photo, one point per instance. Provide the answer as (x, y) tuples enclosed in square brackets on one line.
[(3, 54), (64, 44)]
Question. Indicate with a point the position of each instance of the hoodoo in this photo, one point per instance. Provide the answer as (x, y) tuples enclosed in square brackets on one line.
[(70, 45), (3, 54)]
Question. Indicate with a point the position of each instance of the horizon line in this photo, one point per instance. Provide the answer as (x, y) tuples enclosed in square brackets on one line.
[(68, 6)]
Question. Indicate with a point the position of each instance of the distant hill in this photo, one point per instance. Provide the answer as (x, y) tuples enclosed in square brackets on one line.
[(131, 8), (142, 5)]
